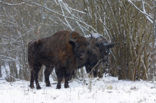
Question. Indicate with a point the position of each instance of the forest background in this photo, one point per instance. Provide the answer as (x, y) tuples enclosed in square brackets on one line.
[(129, 23)]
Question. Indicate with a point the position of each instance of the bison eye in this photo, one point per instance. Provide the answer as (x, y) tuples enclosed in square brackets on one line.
[(107, 51)]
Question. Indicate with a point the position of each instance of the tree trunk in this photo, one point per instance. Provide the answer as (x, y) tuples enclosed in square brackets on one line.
[(0, 70), (154, 24)]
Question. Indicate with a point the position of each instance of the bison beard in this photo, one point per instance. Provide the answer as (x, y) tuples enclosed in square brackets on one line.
[(64, 50)]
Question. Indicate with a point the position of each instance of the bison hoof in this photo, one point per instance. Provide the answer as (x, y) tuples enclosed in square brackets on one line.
[(38, 87), (31, 86), (48, 85), (66, 86), (58, 87)]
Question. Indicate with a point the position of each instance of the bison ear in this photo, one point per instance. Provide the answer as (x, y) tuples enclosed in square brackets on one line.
[(72, 42), (109, 45)]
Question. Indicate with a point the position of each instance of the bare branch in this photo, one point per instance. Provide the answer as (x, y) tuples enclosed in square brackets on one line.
[(142, 11)]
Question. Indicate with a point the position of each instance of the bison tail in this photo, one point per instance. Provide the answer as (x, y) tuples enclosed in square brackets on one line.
[(33, 48)]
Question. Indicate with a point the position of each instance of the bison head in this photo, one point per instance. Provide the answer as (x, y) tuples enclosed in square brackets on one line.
[(100, 49), (104, 48)]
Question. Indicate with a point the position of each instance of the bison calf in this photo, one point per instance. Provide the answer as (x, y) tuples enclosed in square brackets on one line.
[(64, 50)]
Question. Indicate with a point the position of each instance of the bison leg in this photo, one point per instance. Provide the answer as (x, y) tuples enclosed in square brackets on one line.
[(36, 79), (59, 74), (32, 79), (66, 85), (67, 78), (95, 73), (36, 70), (47, 73)]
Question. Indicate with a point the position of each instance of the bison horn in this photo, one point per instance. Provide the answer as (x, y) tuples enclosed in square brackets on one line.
[(109, 45)]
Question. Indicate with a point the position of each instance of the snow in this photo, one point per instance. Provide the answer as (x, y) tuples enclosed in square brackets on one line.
[(94, 35), (4, 70), (105, 90)]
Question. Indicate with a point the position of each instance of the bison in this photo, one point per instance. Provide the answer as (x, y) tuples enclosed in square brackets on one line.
[(64, 50), (98, 49)]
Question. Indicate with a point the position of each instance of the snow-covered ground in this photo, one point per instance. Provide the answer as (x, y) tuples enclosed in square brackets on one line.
[(105, 90)]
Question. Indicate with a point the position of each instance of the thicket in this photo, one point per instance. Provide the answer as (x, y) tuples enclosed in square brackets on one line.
[(118, 21)]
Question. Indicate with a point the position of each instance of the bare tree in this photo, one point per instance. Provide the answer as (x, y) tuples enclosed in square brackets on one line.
[(129, 23)]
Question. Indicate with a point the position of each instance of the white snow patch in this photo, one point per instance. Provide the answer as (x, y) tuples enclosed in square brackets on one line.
[(105, 90), (94, 35), (5, 69)]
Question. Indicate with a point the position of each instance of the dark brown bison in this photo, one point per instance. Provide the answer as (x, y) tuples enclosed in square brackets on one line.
[(64, 50)]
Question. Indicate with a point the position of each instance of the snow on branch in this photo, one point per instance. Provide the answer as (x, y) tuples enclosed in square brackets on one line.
[(68, 24), (7, 58), (72, 9), (66, 7), (142, 11), (72, 17), (11, 4)]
